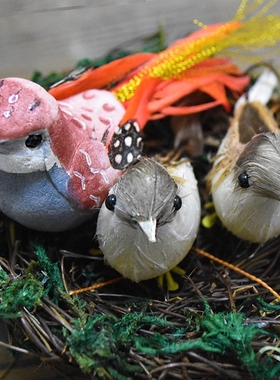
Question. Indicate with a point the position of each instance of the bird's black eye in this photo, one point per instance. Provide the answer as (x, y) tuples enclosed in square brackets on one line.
[(177, 203), (33, 141), (110, 202), (243, 180)]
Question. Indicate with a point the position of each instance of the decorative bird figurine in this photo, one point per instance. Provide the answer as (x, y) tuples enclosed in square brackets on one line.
[(150, 218), (245, 178), (55, 169)]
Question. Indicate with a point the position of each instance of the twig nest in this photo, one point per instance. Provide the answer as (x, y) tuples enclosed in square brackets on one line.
[(54, 165), (150, 219), (245, 179)]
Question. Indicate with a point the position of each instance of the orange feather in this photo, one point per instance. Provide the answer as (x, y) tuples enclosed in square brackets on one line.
[(100, 77), (184, 110), (152, 85)]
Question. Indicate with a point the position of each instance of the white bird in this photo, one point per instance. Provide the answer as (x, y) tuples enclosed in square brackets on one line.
[(150, 218), (245, 178)]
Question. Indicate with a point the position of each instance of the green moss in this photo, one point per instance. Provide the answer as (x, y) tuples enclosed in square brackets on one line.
[(50, 274), (18, 293), (41, 279), (103, 342)]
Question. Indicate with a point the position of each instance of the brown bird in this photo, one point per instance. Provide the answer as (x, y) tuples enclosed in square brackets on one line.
[(245, 178)]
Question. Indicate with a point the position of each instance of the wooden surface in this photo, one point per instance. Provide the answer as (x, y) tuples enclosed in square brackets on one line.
[(55, 34)]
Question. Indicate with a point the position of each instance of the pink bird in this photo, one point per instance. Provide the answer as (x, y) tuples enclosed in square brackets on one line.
[(55, 169)]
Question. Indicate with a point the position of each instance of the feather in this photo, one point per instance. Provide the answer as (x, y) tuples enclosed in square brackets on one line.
[(100, 77), (144, 82)]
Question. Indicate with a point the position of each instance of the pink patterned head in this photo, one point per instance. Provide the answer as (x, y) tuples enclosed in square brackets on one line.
[(25, 108)]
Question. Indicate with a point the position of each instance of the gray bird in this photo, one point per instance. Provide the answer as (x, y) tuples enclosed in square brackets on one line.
[(245, 179), (150, 218)]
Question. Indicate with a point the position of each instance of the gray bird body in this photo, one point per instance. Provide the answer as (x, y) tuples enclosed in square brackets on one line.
[(245, 179), (252, 213), (145, 236)]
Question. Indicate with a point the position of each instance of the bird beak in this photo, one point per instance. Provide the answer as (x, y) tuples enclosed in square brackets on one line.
[(148, 226)]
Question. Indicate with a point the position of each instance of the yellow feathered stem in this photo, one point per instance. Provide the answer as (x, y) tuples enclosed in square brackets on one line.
[(250, 31), (258, 31)]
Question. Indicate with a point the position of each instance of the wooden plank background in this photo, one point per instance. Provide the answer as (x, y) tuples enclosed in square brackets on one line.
[(55, 34)]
